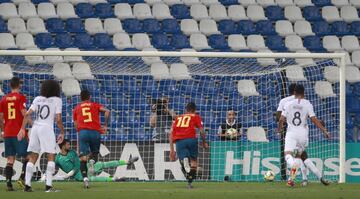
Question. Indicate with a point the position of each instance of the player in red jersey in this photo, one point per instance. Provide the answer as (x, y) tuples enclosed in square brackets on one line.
[(12, 111), (183, 133), (86, 118)]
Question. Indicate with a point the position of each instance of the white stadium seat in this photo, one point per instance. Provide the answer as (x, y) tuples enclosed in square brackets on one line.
[(24, 41), (303, 3), (347, 58), (350, 43), (266, 61), (284, 3), (35, 26), (75, 2), (304, 61), (191, 2), (8, 10), (293, 13), (340, 3), (71, 59), (247, 3), (189, 60), (173, 2), (294, 43), (179, 71), (160, 71), (324, 89), (295, 73), (256, 134), (237, 13), (256, 42), (16, 25), (7, 41), (209, 2), (237, 42), (218, 12), (331, 43), (265, 3), (94, 2), (62, 71), (151, 60), (70, 87), (208, 27), (255, 13), (46, 10), (352, 74), (122, 41), (247, 88), (189, 26), (303, 28), (56, 2), (65, 10), (123, 11), (82, 71), (53, 59), (199, 42), (112, 26), (152, 2), (142, 11), (27, 10), (349, 14), (355, 57), (332, 74), (284, 28), (355, 3), (199, 11), (17, 2), (141, 41), (93, 26), (6, 72), (32, 60), (161, 11), (330, 13)]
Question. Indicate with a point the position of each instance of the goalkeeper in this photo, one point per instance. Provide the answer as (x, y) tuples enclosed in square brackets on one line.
[(68, 161)]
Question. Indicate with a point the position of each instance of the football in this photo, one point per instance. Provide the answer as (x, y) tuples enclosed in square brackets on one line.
[(269, 176), (231, 133)]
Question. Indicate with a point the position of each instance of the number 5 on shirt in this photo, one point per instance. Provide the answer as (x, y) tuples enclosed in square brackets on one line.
[(86, 113)]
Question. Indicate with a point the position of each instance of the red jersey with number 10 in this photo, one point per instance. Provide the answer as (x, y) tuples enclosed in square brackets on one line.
[(87, 116), (11, 106), (185, 126)]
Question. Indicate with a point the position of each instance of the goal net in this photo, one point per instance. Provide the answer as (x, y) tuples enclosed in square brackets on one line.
[(145, 90)]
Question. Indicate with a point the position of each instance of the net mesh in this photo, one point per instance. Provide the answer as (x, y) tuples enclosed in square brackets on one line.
[(131, 86)]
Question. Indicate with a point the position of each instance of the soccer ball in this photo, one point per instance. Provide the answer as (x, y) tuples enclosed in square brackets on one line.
[(269, 176), (231, 133)]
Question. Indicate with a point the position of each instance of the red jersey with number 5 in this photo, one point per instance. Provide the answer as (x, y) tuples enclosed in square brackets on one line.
[(11, 106), (185, 126), (87, 116)]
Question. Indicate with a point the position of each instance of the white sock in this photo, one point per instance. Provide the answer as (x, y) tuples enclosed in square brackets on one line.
[(50, 169), (304, 169), (290, 160), (29, 173), (309, 164)]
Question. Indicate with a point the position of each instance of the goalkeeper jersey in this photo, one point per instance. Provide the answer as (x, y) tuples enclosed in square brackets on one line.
[(69, 162)]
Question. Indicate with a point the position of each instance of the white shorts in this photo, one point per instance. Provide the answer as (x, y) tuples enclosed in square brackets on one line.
[(42, 140), (296, 142)]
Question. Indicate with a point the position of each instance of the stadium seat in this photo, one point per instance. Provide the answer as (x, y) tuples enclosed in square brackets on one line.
[(180, 11), (93, 26), (161, 41), (189, 60), (39, 1), (24, 41), (112, 26), (274, 13), (350, 43), (82, 71), (3, 26), (293, 13), (189, 26), (152, 2), (208, 27), (161, 11), (347, 58), (284, 28), (65, 10), (179, 71), (303, 28), (160, 71), (75, 25), (218, 41), (247, 88), (141, 41), (331, 43), (247, 3), (312, 13), (284, 3), (142, 11), (303, 3), (276, 43), (70, 87), (332, 74), (295, 73), (294, 43), (256, 42), (64, 40), (330, 13), (122, 41), (199, 42), (266, 61), (62, 71), (324, 89), (71, 59), (27, 10), (266, 3), (246, 27), (94, 2), (151, 60), (255, 13), (227, 26), (123, 11), (16, 25), (355, 3), (32, 60), (8, 10), (170, 26), (340, 3), (191, 2), (57, 2), (46, 10), (6, 71), (104, 10), (322, 3), (237, 13), (103, 41), (172, 2), (313, 43), (340, 28), (304, 61), (355, 57), (151, 26), (352, 74), (35, 26), (84, 41), (237, 42), (132, 26), (265, 27), (53, 59), (180, 41), (217, 12), (85, 10), (43, 40), (321, 28), (199, 12), (55, 25), (349, 14)]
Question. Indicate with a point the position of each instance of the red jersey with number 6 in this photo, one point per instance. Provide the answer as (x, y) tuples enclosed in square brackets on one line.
[(185, 126), (11, 106), (87, 116)]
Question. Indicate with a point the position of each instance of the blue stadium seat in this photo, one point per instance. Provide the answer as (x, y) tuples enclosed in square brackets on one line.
[(84, 41), (104, 10), (229, 2), (3, 26), (161, 41), (246, 27), (134, 1), (353, 104), (117, 1), (75, 25), (39, 1), (55, 25), (180, 41), (64, 40), (276, 43), (132, 26), (227, 26), (85, 10), (180, 11), (103, 41), (340, 28), (5, 1), (321, 28), (312, 13), (218, 41), (151, 26), (44, 40), (355, 28), (274, 13), (313, 43), (265, 27), (170, 26), (321, 3)]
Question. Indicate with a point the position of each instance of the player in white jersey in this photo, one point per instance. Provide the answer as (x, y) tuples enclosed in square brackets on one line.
[(42, 139), (296, 113)]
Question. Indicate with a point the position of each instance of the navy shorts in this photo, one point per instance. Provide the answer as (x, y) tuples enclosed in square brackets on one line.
[(187, 148), (89, 141), (14, 147)]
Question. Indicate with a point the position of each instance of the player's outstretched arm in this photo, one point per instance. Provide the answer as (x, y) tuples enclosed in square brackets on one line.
[(107, 115), (1, 122), (60, 125), (27, 118), (281, 124), (172, 150), (320, 126), (203, 138)]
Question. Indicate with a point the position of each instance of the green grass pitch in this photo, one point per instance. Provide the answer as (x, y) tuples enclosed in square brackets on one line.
[(177, 190)]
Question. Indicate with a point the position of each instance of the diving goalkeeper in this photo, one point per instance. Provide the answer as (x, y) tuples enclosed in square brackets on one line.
[(68, 161)]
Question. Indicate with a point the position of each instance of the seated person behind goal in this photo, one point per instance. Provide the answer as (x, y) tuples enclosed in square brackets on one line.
[(68, 161), (231, 128)]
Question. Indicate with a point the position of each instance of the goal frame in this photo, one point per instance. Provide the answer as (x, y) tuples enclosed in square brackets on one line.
[(340, 56)]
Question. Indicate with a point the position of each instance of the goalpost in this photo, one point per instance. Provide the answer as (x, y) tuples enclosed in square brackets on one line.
[(130, 83)]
